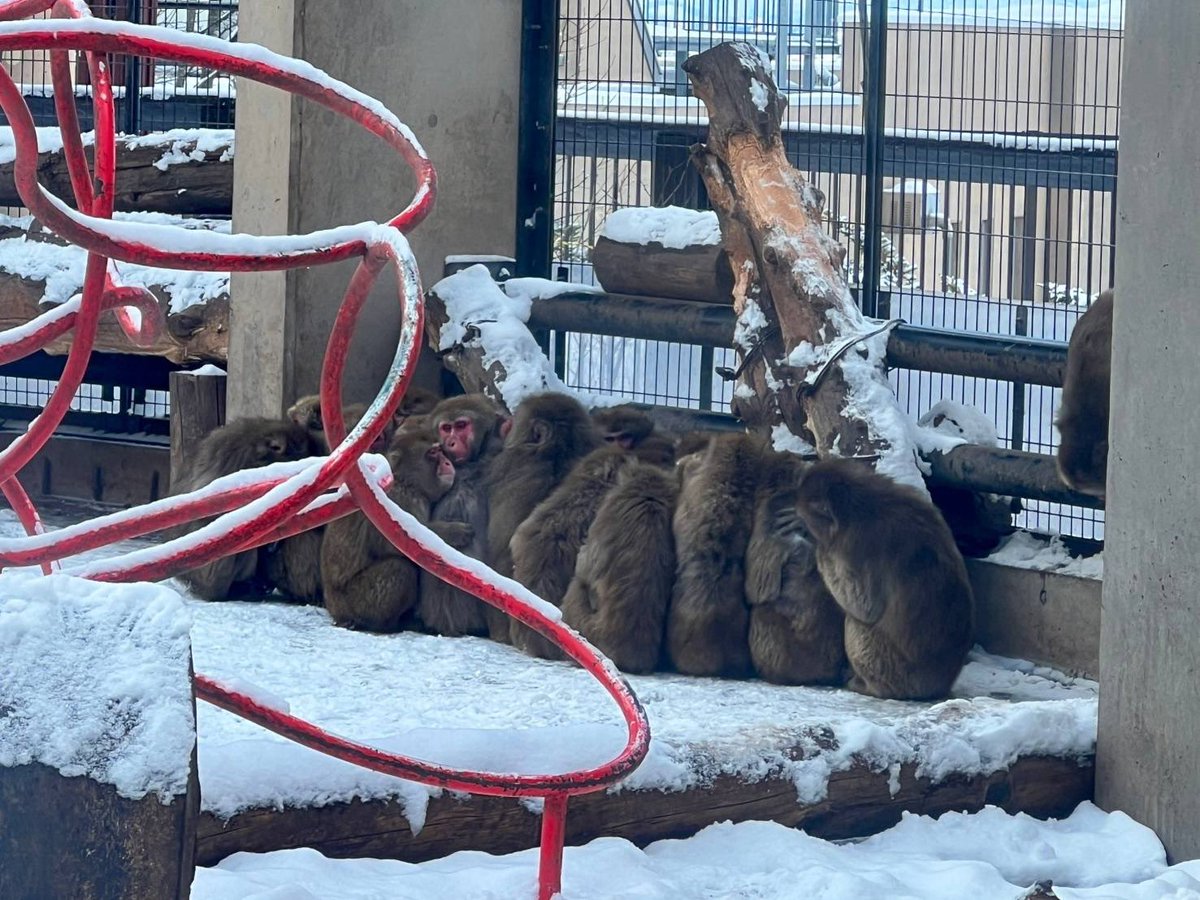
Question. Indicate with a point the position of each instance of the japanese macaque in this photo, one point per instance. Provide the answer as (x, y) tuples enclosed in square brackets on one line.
[(796, 627), (368, 583), (243, 444), (890, 562), (546, 544), (550, 433), (469, 429), (621, 588), (1083, 411), (307, 412), (708, 621)]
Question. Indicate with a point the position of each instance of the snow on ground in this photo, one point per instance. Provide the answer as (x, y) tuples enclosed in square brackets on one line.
[(987, 856), (61, 267), (94, 681), (471, 702)]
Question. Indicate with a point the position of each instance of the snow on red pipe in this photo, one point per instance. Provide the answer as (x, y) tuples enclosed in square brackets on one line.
[(268, 504)]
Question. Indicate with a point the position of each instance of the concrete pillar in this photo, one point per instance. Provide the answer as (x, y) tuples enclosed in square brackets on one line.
[(1149, 750), (450, 70)]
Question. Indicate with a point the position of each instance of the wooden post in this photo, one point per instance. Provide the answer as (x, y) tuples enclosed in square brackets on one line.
[(197, 407), (795, 310)]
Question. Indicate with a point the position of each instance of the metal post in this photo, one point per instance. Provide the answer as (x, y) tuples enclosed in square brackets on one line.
[(133, 79), (783, 41), (875, 90), (535, 137), (1018, 387)]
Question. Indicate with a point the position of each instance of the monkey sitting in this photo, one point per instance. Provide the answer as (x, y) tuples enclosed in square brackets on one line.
[(549, 434), (890, 562), (368, 583), (1083, 411), (471, 430), (307, 412), (243, 444), (708, 622), (796, 627), (621, 589)]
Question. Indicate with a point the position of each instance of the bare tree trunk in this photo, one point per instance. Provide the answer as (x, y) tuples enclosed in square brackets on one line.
[(817, 363)]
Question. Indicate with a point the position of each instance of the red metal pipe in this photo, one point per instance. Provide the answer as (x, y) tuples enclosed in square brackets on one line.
[(281, 501)]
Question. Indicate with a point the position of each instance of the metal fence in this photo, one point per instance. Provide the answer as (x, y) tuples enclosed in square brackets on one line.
[(966, 148), (151, 95)]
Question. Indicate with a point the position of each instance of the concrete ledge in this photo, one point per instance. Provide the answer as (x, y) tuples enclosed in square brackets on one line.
[(1044, 617)]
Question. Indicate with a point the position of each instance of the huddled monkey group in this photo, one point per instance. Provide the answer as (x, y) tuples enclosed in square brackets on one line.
[(707, 554)]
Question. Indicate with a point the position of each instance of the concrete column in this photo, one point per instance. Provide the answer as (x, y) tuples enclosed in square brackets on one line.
[(450, 70), (1149, 751)]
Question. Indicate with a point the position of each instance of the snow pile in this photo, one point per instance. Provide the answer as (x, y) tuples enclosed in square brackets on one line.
[(953, 423), (196, 141), (527, 290), (61, 266), (1180, 882), (184, 145), (94, 681), (476, 703), (988, 856), (674, 227), (1024, 551)]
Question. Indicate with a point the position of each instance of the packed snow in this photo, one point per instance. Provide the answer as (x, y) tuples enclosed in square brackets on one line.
[(94, 681), (472, 702), (990, 855), (673, 227), (61, 266)]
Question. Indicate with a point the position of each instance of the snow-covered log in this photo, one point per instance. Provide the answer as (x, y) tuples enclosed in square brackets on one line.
[(814, 358), (39, 271), (663, 252), (185, 171)]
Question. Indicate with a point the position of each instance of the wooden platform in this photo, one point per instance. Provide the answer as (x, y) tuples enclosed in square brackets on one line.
[(859, 802)]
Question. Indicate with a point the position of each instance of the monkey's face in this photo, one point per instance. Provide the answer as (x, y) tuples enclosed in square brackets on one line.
[(442, 466), (289, 443), (458, 438)]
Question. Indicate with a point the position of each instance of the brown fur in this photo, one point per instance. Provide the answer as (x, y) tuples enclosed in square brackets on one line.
[(550, 433), (243, 444), (625, 424), (444, 609), (796, 627), (368, 583), (1083, 410), (890, 562), (708, 622), (619, 595)]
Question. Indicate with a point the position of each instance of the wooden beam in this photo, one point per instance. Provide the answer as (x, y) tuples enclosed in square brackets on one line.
[(197, 407), (859, 802), (201, 186), (699, 272)]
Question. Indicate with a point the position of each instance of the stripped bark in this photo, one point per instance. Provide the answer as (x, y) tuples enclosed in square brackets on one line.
[(785, 264)]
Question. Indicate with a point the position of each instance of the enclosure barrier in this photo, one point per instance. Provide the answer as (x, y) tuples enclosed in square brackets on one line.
[(268, 504), (991, 469)]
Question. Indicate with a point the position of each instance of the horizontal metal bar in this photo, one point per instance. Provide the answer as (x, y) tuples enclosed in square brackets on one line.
[(904, 157), (1010, 472), (1005, 358)]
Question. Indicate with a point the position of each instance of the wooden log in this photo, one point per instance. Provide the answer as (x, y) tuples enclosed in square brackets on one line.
[(859, 802), (788, 269), (199, 333), (197, 407), (201, 186), (699, 272), (464, 361)]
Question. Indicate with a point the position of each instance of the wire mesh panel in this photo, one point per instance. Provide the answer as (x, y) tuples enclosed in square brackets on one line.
[(993, 162), (151, 95)]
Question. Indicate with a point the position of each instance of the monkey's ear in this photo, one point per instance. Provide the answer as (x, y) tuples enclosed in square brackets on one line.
[(504, 426), (539, 431)]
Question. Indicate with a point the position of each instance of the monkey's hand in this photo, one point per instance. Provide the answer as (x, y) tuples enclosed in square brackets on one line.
[(457, 534), (784, 514)]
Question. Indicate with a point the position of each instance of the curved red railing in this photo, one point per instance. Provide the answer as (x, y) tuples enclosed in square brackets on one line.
[(263, 505)]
